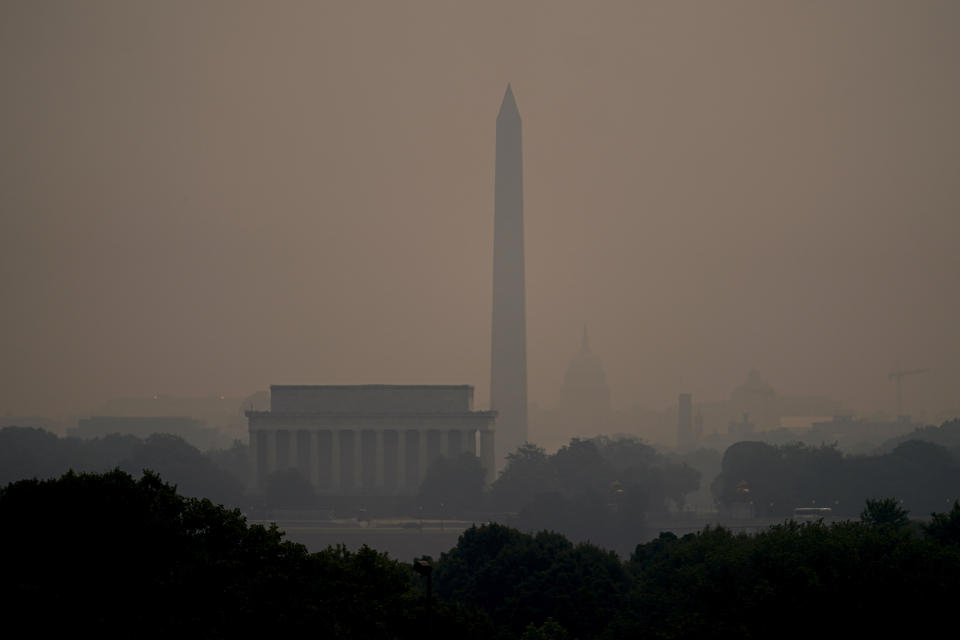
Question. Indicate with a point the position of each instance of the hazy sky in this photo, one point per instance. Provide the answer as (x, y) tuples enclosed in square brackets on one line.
[(211, 197)]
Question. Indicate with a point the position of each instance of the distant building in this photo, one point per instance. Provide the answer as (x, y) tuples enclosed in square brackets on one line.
[(758, 399), (222, 413), (367, 439), (584, 408), (742, 429), (862, 435), (768, 411), (698, 426)]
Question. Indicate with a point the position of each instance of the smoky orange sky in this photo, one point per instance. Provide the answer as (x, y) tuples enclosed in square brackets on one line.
[(211, 197)]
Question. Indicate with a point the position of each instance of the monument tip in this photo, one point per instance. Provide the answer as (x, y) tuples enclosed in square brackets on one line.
[(509, 103)]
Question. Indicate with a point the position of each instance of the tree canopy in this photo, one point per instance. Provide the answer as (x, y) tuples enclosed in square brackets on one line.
[(597, 490), (774, 480), (452, 487), (35, 453), (885, 512), (117, 556)]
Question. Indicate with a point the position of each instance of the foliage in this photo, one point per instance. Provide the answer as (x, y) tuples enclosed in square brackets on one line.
[(528, 474), (945, 527), (581, 468), (235, 461), (522, 580), (720, 584), (714, 583), (946, 435), (35, 453), (885, 512), (192, 472), (452, 487), (773, 480), (639, 469), (597, 490), (27, 452), (118, 556), (114, 556), (288, 489), (549, 630)]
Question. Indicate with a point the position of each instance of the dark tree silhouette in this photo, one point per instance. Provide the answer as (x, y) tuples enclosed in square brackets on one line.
[(288, 489), (945, 527), (110, 556), (885, 512), (452, 487), (528, 474)]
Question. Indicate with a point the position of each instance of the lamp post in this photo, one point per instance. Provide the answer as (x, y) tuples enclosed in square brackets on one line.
[(424, 568)]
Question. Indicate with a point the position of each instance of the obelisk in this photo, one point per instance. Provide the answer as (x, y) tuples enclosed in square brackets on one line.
[(508, 361)]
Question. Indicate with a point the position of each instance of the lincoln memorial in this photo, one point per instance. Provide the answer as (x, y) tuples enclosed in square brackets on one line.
[(370, 439)]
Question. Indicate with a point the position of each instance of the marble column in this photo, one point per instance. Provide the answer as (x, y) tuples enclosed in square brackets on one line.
[(444, 443), (357, 459), (402, 459), (378, 478), (422, 463), (468, 442), (315, 458), (292, 455), (335, 458)]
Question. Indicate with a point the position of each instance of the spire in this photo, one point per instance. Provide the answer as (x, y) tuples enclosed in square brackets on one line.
[(509, 105), (508, 333), (585, 343)]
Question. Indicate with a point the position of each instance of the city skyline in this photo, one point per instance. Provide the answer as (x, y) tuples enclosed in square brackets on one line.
[(198, 201)]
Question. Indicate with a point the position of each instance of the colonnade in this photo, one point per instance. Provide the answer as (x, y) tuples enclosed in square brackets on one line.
[(338, 460)]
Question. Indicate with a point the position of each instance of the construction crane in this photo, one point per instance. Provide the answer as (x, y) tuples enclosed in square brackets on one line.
[(898, 374)]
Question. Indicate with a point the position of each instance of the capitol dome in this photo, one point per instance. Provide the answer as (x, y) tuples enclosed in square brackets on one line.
[(585, 370), (585, 397)]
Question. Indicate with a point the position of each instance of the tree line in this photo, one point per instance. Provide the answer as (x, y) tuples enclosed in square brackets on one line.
[(27, 452), (601, 489), (120, 556), (600, 481), (773, 480)]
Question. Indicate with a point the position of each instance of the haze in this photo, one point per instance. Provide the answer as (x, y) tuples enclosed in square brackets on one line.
[(209, 198)]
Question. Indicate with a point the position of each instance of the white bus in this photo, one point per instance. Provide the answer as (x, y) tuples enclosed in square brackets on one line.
[(811, 513)]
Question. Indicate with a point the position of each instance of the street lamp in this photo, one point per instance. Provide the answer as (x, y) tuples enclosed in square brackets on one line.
[(424, 568)]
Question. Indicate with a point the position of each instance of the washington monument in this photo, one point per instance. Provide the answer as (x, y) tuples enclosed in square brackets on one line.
[(508, 361)]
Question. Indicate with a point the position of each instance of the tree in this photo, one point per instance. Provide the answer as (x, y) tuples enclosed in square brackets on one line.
[(235, 461), (525, 579), (885, 512), (124, 556), (777, 479), (723, 585), (35, 453), (749, 474), (598, 490), (27, 452), (945, 527), (182, 464), (453, 486), (288, 489), (112, 556), (528, 474), (549, 630), (580, 468)]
